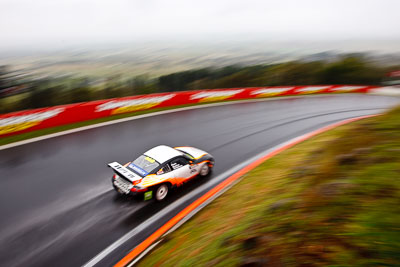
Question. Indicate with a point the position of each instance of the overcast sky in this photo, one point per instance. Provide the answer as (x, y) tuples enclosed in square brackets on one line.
[(57, 22)]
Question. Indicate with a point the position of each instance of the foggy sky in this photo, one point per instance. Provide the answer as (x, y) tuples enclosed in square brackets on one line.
[(59, 22)]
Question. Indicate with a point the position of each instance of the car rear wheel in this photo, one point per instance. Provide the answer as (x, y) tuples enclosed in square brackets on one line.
[(205, 170), (161, 192)]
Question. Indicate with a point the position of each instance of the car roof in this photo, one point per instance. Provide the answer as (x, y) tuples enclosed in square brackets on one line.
[(162, 153)]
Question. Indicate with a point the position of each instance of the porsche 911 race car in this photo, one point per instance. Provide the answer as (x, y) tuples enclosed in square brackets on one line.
[(160, 169)]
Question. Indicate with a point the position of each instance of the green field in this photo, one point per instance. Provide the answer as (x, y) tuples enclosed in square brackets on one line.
[(333, 200)]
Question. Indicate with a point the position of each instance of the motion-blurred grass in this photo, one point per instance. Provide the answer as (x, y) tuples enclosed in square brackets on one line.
[(333, 200)]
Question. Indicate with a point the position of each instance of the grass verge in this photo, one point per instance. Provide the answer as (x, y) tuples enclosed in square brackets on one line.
[(333, 200)]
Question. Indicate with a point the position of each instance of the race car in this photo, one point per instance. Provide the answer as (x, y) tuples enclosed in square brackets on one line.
[(160, 169)]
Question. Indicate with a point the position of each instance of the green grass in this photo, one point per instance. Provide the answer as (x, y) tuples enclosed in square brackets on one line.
[(333, 200)]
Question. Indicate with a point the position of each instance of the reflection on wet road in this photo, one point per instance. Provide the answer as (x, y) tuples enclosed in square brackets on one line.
[(57, 205)]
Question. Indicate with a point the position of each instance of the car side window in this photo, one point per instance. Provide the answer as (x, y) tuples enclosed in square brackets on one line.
[(164, 169), (179, 162), (167, 168)]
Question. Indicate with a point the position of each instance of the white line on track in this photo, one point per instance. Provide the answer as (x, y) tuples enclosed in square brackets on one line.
[(186, 218), (84, 128), (180, 201), (99, 257), (166, 210)]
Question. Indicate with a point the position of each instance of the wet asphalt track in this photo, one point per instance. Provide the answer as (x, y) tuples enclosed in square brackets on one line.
[(57, 205)]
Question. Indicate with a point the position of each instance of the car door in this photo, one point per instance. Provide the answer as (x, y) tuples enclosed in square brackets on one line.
[(165, 173), (181, 170)]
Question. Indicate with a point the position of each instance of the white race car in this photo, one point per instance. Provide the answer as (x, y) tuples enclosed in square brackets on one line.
[(159, 169)]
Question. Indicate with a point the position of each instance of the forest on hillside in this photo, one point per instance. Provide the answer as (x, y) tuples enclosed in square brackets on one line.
[(19, 93)]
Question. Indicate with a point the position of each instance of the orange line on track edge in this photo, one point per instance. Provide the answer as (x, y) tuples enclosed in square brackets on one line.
[(168, 225)]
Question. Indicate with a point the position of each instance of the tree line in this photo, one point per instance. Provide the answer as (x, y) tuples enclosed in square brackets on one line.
[(54, 91)]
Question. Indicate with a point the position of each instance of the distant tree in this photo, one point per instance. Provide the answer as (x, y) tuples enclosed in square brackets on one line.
[(290, 73), (243, 78), (351, 70), (213, 78), (113, 87), (231, 76), (180, 81), (41, 95), (81, 94), (3, 77), (299, 73), (9, 78), (225, 71), (141, 84)]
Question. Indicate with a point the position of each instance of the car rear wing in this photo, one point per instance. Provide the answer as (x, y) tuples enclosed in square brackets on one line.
[(124, 172)]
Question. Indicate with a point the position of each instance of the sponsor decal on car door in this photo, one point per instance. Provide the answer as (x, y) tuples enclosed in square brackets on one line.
[(181, 170)]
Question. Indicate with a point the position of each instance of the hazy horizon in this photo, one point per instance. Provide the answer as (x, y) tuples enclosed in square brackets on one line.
[(87, 24)]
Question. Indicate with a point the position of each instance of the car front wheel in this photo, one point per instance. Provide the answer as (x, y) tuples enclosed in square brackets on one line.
[(161, 192), (205, 170)]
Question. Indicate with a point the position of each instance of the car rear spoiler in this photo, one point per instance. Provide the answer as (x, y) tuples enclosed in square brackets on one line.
[(124, 172)]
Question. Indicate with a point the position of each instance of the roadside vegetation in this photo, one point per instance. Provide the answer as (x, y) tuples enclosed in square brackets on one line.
[(19, 91), (333, 200)]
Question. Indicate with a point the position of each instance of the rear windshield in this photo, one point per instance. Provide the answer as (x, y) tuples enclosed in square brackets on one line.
[(187, 154), (143, 165)]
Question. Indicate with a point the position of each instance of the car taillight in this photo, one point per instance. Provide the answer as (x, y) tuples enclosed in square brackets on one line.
[(138, 188)]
